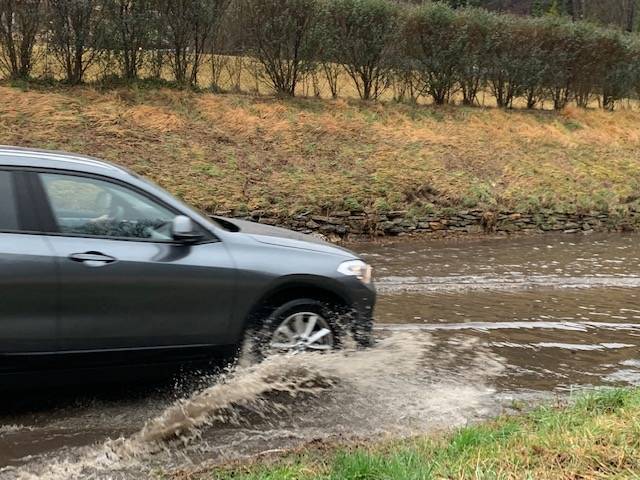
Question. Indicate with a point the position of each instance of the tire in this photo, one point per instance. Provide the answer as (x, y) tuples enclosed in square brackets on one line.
[(322, 332)]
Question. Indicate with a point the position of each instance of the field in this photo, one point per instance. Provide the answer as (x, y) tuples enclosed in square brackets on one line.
[(597, 437), (241, 152)]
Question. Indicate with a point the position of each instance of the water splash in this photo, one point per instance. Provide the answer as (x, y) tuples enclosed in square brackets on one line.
[(392, 388)]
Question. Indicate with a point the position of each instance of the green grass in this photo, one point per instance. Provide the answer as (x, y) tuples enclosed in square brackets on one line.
[(597, 436)]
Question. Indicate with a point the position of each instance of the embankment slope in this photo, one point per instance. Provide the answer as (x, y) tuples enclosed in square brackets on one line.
[(280, 158)]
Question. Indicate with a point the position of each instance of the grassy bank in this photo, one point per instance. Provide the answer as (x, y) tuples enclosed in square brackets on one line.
[(234, 152), (597, 437)]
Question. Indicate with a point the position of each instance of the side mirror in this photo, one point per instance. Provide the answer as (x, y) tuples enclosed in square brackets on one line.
[(183, 230)]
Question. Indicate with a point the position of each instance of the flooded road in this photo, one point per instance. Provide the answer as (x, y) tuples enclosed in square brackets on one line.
[(466, 329), (563, 312)]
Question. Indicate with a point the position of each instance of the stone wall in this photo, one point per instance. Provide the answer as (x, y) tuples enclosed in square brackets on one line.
[(357, 223)]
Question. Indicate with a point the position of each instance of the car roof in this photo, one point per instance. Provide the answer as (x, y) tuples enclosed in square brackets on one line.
[(31, 157)]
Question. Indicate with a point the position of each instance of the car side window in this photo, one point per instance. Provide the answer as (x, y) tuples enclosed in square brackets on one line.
[(93, 207), (8, 207)]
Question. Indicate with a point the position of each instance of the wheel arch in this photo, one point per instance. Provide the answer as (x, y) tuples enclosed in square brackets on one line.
[(292, 289)]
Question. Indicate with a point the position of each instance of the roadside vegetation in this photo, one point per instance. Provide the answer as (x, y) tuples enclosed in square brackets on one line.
[(241, 153), (598, 436), (183, 92), (370, 49)]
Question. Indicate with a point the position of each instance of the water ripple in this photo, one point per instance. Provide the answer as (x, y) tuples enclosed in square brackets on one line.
[(395, 284)]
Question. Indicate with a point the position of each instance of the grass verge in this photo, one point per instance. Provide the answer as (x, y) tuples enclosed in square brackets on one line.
[(596, 437)]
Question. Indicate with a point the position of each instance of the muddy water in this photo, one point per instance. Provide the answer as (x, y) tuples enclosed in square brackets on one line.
[(465, 328), (564, 312)]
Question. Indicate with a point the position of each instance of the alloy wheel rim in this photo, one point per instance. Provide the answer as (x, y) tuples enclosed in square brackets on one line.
[(301, 332)]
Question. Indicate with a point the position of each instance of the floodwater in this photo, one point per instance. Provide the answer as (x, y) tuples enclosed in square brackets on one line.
[(467, 329)]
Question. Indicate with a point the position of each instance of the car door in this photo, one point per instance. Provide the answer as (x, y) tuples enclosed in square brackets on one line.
[(28, 277), (124, 282)]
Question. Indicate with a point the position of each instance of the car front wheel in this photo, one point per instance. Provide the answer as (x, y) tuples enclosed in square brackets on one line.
[(303, 325)]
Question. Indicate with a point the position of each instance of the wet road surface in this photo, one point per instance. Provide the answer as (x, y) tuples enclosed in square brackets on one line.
[(563, 312), (466, 327)]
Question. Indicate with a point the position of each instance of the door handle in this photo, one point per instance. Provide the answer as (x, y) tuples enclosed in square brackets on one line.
[(92, 259)]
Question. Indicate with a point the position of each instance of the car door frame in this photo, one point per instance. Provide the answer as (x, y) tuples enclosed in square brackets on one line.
[(29, 224), (50, 228)]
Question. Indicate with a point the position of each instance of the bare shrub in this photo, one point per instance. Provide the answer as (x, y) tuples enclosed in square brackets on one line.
[(188, 26), (363, 34), (20, 23), (282, 35)]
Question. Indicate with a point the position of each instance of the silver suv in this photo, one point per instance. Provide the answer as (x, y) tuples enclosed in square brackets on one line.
[(101, 268)]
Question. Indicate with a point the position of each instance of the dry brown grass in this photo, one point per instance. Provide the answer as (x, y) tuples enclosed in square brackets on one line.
[(225, 152)]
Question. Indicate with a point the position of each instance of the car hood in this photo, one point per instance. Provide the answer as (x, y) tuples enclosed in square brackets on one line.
[(284, 238)]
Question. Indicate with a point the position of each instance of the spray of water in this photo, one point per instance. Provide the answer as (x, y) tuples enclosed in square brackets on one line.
[(387, 389)]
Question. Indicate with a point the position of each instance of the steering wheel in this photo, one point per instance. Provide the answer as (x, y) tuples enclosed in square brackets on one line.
[(116, 213), (107, 201)]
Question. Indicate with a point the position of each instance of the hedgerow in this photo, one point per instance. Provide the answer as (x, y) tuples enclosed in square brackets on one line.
[(429, 50)]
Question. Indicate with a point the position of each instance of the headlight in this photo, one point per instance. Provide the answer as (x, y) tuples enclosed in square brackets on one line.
[(357, 268)]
